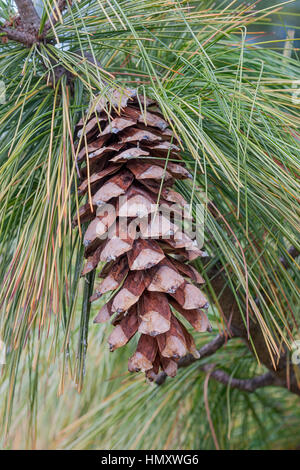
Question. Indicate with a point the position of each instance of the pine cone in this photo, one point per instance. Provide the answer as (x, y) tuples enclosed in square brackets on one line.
[(129, 151)]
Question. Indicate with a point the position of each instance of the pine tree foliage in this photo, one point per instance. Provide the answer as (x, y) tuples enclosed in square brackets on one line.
[(235, 106)]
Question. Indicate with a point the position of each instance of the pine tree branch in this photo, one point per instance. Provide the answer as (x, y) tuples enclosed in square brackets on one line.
[(17, 35), (247, 385), (25, 27), (257, 345), (28, 14), (207, 350), (279, 367)]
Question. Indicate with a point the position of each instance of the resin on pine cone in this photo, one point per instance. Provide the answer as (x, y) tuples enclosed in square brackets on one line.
[(129, 159)]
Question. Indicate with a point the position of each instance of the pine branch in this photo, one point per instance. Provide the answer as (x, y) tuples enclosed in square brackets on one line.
[(246, 385), (256, 343), (24, 37), (28, 14), (207, 350), (252, 333), (26, 26), (26, 30)]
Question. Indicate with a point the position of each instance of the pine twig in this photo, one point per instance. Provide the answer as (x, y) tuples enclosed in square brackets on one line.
[(28, 14), (25, 31), (207, 350), (232, 316), (24, 37), (246, 385)]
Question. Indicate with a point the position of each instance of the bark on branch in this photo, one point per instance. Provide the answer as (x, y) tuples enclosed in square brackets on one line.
[(282, 370), (246, 385), (17, 35), (23, 29), (28, 14)]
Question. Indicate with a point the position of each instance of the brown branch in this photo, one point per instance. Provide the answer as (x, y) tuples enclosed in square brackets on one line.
[(206, 351), (28, 14), (17, 35), (247, 385), (283, 374), (278, 366), (24, 28)]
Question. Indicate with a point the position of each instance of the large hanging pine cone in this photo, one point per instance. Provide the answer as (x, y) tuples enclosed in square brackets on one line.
[(129, 159)]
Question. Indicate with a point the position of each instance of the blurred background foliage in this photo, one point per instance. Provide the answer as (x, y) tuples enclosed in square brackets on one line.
[(219, 72), (275, 30)]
